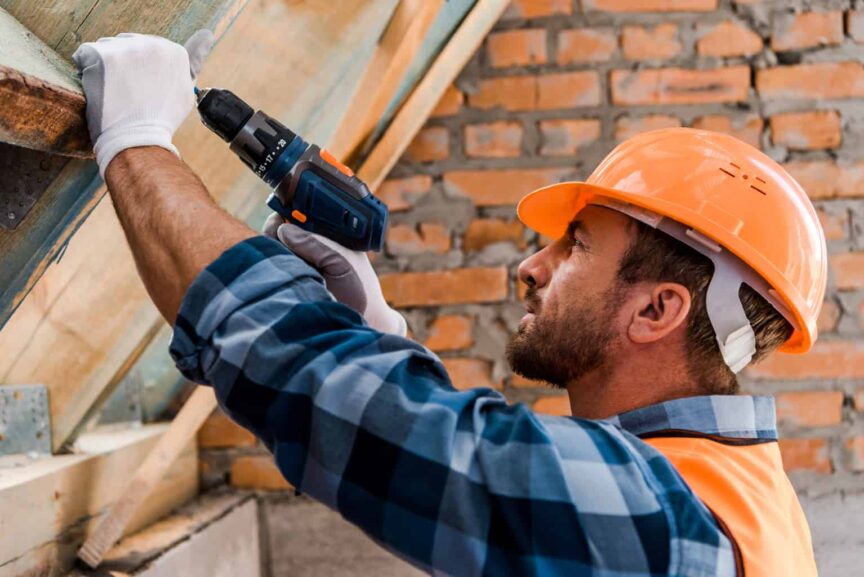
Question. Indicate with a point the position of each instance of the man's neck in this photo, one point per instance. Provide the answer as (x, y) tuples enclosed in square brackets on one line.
[(604, 393)]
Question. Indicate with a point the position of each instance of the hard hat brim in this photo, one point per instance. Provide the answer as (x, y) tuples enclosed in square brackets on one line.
[(549, 211)]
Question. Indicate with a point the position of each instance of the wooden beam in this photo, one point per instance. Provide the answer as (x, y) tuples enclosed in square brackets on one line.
[(148, 475), (81, 327), (51, 504), (396, 51), (41, 103), (428, 92)]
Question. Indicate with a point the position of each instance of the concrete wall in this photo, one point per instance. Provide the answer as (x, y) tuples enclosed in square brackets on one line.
[(556, 85)]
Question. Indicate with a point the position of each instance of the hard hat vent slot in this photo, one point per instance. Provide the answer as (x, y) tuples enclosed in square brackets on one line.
[(735, 170)]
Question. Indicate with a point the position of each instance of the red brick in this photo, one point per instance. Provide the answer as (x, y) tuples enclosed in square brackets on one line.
[(810, 130), (650, 5), (565, 137), (458, 286), (517, 48), (855, 25), (451, 333), (828, 317), (257, 472), (220, 432), (568, 90), (848, 270), (680, 86), (826, 360), (657, 43), (747, 128), (401, 194), (627, 126), (824, 179), (727, 39), (470, 373), (855, 448), (485, 231), (586, 45), (508, 92), (500, 187), (835, 226), (521, 382), (805, 454), (430, 144), (818, 81), (858, 399), (450, 103), (558, 405), (810, 408), (404, 240), (500, 139), (807, 30), (536, 8)]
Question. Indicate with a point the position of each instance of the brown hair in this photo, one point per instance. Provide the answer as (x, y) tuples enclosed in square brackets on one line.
[(654, 256)]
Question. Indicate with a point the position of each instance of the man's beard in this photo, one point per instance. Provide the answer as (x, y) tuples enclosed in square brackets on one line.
[(563, 349)]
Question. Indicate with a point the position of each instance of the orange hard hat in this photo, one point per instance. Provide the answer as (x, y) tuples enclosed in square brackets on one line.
[(728, 191)]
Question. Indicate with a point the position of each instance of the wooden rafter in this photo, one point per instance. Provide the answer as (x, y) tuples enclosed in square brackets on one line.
[(395, 53), (417, 108)]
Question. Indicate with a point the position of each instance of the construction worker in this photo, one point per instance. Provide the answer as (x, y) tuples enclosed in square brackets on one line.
[(685, 256)]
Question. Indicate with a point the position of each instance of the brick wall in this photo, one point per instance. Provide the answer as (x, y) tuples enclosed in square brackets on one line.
[(555, 86)]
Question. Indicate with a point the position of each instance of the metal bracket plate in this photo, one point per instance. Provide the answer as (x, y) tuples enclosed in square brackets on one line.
[(24, 176), (25, 419)]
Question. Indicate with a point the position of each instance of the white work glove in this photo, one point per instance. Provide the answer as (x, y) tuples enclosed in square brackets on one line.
[(139, 89), (348, 274)]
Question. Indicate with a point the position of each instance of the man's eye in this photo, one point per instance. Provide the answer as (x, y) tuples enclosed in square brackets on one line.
[(574, 241)]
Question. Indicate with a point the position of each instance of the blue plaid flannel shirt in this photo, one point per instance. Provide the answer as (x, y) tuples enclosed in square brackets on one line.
[(455, 482)]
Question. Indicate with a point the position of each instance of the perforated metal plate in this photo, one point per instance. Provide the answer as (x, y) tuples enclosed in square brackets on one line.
[(25, 421), (24, 176)]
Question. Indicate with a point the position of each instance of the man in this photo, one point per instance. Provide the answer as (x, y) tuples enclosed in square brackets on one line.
[(687, 255)]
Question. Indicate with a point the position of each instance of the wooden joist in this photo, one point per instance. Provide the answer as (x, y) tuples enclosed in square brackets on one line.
[(41, 103), (49, 505), (417, 108)]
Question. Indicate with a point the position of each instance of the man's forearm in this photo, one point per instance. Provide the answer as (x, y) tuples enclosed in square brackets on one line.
[(174, 227)]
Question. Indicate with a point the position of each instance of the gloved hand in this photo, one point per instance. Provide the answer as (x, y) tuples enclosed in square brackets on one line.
[(347, 274), (139, 88)]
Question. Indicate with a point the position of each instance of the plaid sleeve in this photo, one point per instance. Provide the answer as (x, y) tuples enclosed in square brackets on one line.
[(455, 482)]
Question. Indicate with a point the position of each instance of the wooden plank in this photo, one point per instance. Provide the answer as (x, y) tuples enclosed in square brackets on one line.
[(136, 551), (148, 475), (65, 24), (41, 103), (211, 550), (51, 504), (396, 51), (85, 320), (426, 95)]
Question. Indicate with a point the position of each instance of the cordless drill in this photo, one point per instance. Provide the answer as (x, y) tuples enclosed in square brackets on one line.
[(311, 188)]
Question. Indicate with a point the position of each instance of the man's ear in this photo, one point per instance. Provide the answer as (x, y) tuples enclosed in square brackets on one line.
[(660, 309)]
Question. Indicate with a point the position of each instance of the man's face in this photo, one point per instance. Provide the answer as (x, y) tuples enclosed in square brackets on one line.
[(573, 300)]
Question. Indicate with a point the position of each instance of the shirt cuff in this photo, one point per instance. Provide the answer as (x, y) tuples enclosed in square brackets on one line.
[(245, 273)]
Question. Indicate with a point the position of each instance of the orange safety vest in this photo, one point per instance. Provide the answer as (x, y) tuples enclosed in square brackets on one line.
[(744, 485)]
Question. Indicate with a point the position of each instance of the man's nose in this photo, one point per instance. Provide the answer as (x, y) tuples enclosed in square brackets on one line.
[(534, 270)]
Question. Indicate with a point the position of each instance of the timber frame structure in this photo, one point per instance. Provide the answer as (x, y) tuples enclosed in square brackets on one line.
[(358, 77)]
